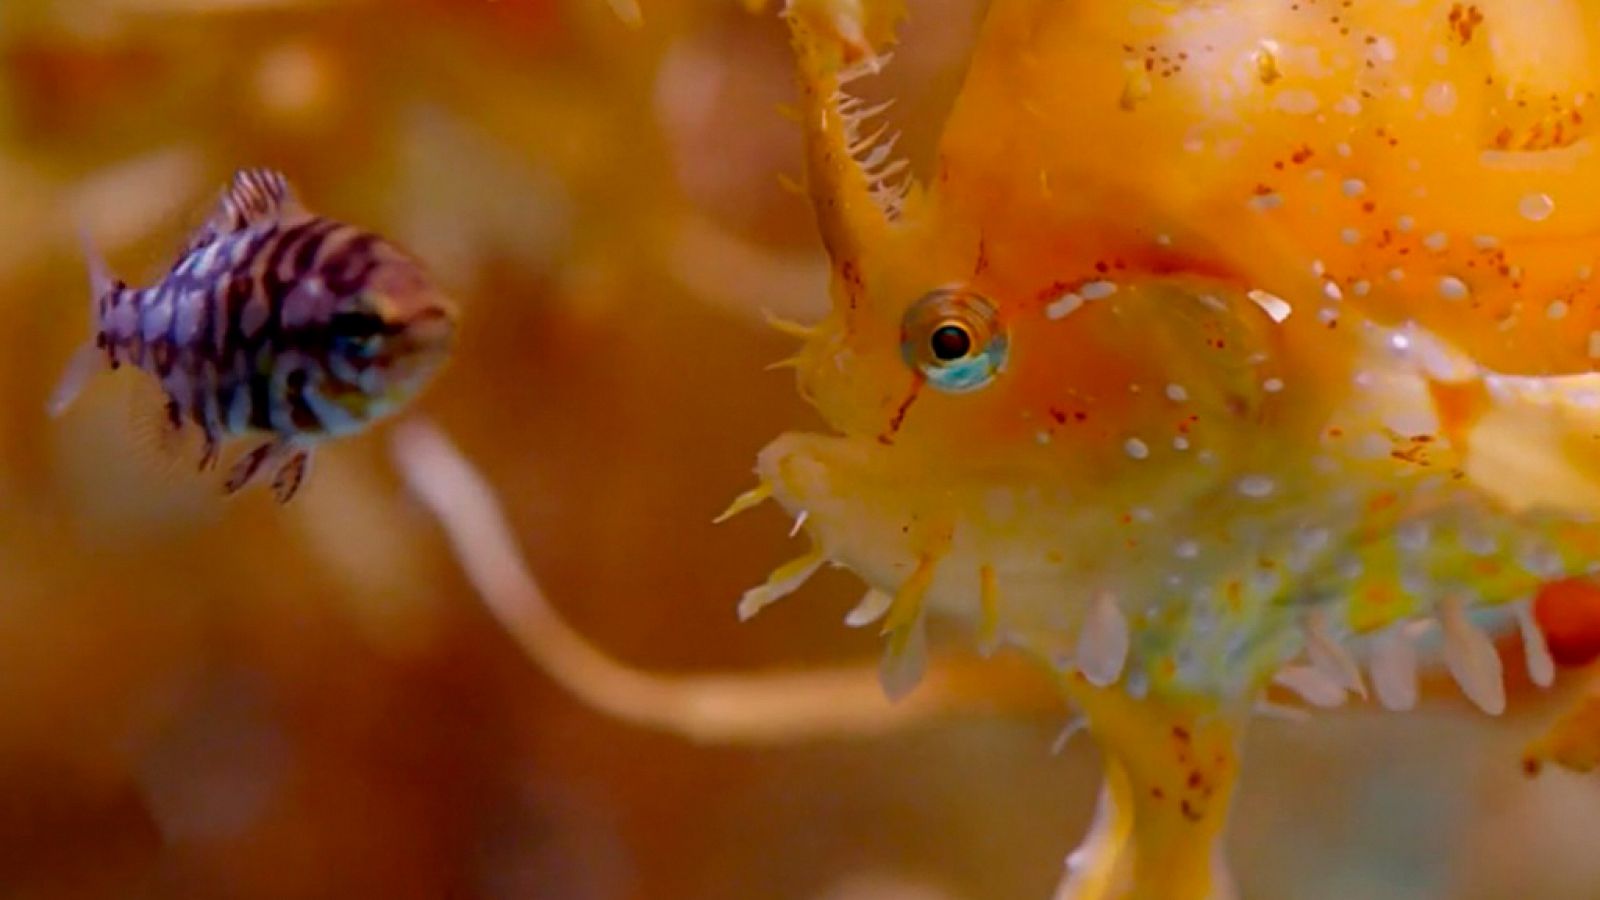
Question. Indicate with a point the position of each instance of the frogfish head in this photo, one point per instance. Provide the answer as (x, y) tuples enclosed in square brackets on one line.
[(1026, 411)]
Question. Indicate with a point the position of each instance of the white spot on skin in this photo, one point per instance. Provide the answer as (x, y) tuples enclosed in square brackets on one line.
[(1413, 537), (1536, 207), (1594, 345), (1330, 289), (1405, 223), (1264, 202), (1136, 449), (1439, 98), (1256, 487), (1297, 102), (1178, 394), (1318, 268), (1397, 274), (1452, 288), (1042, 437), (1343, 149), (1353, 187), (1350, 236), (1437, 241), (1348, 106), (1383, 49), (1103, 641), (1186, 549), (1585, 273), (1557, 309), (1098, 290), (1164, 240), (1065, 306), (1485, 241), (1274, 306), (1361, 288), (1272, 385), (1180, 443)]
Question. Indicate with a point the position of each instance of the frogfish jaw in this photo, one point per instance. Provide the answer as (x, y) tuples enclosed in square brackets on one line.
[(994, 549)]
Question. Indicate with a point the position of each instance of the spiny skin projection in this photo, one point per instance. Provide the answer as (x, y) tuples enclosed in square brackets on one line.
[(1223, 345), (273, 321)]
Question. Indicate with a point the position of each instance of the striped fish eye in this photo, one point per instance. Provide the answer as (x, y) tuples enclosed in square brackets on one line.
[(954, 338), (356, 332)]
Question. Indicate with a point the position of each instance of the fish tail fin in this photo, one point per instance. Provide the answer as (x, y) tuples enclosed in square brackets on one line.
[(87, 359), (101, 281)]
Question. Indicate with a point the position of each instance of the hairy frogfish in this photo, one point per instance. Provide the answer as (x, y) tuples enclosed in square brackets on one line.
[(1227, 346), (272, 322)]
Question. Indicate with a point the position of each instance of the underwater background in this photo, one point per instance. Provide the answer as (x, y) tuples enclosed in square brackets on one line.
[(210, 697)]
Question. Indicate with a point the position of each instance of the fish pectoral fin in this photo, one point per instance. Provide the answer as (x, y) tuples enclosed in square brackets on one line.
[(156, 426), (256, 197)]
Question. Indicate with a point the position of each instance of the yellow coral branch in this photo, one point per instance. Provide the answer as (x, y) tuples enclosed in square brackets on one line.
[(737, 708)]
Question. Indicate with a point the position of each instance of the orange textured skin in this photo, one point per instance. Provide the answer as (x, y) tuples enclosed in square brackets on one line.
[(1296, 307), (1284, 337)]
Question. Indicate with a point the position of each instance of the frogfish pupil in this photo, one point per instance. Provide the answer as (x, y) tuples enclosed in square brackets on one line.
[(951, 342)]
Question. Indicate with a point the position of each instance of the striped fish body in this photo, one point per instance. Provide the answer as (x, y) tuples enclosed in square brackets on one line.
[(277, 322)]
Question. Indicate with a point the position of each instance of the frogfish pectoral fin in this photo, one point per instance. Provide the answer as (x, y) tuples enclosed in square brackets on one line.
[(1170, 770)]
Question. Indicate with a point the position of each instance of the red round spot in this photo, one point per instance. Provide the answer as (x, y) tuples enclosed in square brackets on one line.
[(1568, 612)]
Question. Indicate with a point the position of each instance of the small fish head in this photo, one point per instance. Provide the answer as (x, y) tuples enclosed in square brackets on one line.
[(397, 328)]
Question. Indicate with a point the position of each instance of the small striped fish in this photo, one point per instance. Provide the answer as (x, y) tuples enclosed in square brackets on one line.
[(273, 322)]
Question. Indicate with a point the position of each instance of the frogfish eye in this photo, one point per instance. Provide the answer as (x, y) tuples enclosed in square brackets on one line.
[(953, 337)]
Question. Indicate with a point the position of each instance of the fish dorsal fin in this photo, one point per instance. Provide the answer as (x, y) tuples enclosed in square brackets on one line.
[(255, 197)]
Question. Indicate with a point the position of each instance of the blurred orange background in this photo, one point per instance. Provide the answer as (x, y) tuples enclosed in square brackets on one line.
[(202, 697)]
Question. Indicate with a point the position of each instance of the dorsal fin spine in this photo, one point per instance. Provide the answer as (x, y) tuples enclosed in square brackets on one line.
[(255, 197)]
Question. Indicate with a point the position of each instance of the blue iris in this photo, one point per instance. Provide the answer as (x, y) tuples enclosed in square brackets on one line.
[(953, 337)]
